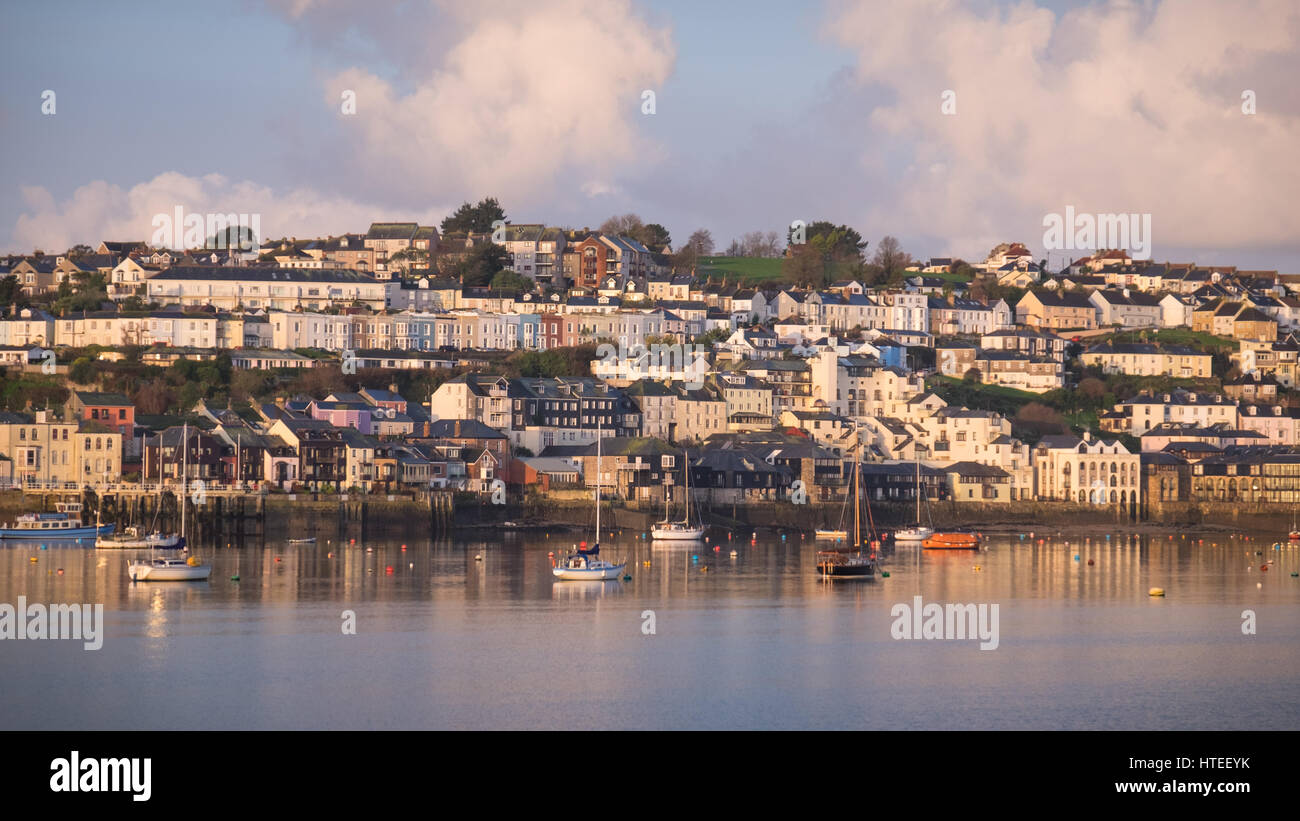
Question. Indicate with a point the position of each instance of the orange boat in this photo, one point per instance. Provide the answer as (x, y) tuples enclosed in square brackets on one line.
[(952, 541)]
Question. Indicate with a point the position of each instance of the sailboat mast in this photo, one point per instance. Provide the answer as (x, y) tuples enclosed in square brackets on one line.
[(686, 468), (185, 469), (917, 451), (857, 500), (597, 480)]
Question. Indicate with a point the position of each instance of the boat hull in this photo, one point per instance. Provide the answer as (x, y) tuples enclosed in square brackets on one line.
[(832, 535), (952, 541), (846, 569), (27, 535), (142, 543), (150, 573), (913, 535), (689, 534), (588, 574)]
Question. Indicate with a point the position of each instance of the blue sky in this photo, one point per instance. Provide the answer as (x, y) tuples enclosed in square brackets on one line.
[(764, 114)]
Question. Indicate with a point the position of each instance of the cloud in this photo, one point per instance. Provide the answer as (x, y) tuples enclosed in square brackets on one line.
[(530, 97), (102, 211), (1112, 108)]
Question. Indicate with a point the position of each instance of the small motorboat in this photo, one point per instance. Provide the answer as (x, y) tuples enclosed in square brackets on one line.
[(311, 540), (952, 541), (168, 570)]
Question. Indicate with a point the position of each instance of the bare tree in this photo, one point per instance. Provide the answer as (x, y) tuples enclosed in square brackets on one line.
[(891, 259), (628, 224), (702, 242)]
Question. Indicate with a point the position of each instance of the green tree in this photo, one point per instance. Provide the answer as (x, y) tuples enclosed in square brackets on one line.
[(476, 218), (510, 281), (483, 262)]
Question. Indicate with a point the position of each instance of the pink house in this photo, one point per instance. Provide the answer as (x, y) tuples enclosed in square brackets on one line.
[(353, 415)]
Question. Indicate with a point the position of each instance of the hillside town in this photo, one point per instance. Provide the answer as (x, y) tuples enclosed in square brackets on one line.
[(413, 358)]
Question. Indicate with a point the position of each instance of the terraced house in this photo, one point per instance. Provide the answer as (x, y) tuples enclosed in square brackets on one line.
[(48, 452), (280, 289), (1142, 359)]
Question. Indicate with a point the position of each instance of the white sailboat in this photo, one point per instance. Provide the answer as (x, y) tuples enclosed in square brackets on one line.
[(172, 570), (682, 531), (136, 538), (586, 564), (919, 533)]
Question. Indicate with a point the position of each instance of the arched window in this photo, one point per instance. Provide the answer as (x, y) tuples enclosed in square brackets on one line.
[(1112, 497)]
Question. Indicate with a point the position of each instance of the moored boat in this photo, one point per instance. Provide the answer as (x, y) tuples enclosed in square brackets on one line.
[(131, 538), (65, 523), (848, 561), (586, 564), (919, 533), (952, 541), (832, 535), (913, 534), (682, 530), (168, 570)]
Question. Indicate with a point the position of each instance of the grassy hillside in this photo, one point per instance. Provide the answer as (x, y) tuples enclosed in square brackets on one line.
[(754, 270)]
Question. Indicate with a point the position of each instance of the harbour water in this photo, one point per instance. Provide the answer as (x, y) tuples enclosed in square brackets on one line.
[(696, 639)]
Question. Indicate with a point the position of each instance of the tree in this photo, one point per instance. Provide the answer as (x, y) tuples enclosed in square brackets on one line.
[(510, 281), (842, 242), (483, 262), (81, 292), (474, 218), (1093, 388), (973, 376), (10, 290), (630, 225), (702, 242), (891, 259), (78, 251), (655, 237)]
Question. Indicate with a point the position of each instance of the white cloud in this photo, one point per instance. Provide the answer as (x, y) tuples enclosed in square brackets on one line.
[(1112, 108), (530, 95), (102, 211)]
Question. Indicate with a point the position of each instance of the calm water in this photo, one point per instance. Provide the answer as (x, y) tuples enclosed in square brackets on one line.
[(755, 641)]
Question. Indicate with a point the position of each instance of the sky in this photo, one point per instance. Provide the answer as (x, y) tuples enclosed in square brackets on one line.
[(952, 126)]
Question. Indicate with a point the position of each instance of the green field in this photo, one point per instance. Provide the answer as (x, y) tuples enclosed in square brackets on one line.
[(755, 270), (748, 269), (1174, 336)]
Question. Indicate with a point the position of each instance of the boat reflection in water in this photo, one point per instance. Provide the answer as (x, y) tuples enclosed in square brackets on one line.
[(580, 590)]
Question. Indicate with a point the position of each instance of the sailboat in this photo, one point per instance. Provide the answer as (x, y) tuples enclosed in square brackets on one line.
[(172, 570), (586, 564), (837, 533), (134, 537), (918, 533), (682, 530), (849, 561)]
